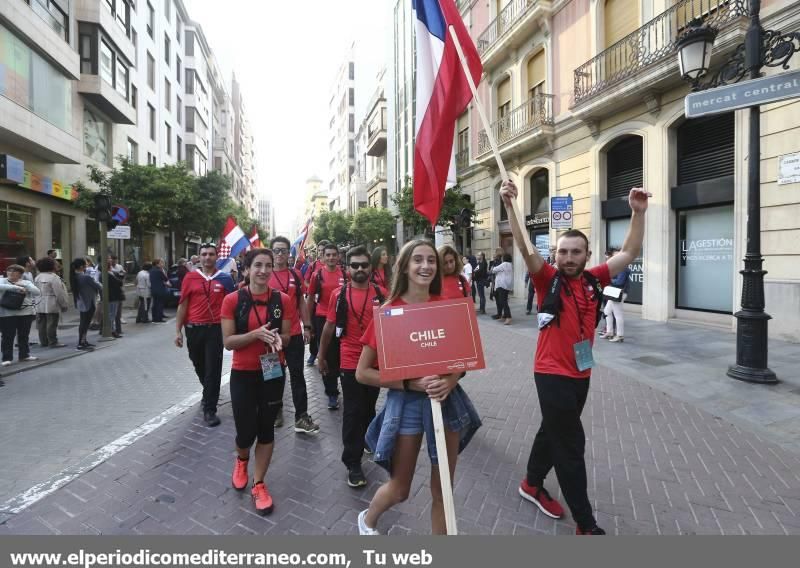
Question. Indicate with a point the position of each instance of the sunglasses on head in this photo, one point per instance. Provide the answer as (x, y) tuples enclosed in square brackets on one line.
[(357, 265)]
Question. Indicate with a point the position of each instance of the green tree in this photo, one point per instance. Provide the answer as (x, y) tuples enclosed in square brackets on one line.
[(333, 226), (454, 202), (372, 224)]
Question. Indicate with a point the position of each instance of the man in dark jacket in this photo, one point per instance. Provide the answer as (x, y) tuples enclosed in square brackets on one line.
[(158, 289)]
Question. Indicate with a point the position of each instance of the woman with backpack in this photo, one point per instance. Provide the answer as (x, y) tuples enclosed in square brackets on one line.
[(454, 283), (16, 313), (395, 435), (256, 325)]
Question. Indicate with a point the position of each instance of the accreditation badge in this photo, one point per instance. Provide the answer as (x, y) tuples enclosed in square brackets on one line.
[(583, 355), (271, 366)]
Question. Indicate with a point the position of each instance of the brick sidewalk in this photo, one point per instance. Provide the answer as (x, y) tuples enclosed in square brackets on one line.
[(656, 465)]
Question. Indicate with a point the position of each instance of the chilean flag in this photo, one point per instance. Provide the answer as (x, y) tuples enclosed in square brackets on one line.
[(233, 242), (442, 95)]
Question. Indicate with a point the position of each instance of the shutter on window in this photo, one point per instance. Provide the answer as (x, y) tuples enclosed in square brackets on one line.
[(705, 148), (625, 167)]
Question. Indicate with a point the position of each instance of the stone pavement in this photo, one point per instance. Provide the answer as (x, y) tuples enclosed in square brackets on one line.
[(657, 463)]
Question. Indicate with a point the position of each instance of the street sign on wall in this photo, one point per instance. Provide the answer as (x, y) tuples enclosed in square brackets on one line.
[(120, 232), (561, 212), (789, 169), (743, 94)]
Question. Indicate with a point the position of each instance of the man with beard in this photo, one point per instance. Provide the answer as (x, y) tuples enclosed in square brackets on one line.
[(200, 312), (569, 310), (349, 314)]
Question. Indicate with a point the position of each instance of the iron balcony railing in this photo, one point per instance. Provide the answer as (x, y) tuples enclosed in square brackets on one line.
[(533, 113), (504, 21), (652, 43), (462, 159)]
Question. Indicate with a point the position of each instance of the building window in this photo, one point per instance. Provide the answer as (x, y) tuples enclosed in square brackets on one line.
[(54, 13), (167, 94), (178, 25), (351, 70), (134, 96), (122, 16), (179, 149), (168, 10), (168, 136), (189, 44), (151, 72), (133, 151), (189, 82), (189, 119), (135, 40), (178, 70), (504, 98), (351, 96), (106, 63), (121, 79), (151, 20), (152, 115), (167, 46), (95, 136), (87, 61), (178, 110)]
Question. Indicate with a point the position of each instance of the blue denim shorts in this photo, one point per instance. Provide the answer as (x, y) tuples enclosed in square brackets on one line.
[(411, 419)]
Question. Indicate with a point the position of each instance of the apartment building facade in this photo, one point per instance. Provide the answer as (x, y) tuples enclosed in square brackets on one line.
[(341, 136), (586, 100)]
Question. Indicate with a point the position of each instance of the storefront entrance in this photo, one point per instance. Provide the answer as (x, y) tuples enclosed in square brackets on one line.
[(16, 233)]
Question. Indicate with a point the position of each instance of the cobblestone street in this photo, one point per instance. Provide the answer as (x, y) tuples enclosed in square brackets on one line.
[(658, 463)]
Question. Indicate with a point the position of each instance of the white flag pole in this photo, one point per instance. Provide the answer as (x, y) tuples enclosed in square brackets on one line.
[(490, 135), (444, 468)]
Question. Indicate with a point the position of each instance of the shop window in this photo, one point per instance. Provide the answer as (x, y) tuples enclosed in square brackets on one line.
[(616, 230), (16, 233)]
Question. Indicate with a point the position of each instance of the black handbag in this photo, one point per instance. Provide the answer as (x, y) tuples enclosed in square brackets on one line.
[(12, 300)]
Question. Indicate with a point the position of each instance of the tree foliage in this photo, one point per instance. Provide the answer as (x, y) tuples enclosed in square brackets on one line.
[(333, 226), (372, 224), (454, 202)]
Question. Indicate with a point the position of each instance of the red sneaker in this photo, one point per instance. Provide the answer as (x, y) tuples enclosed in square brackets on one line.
[(262, 500), (239, 476), (541, 498)]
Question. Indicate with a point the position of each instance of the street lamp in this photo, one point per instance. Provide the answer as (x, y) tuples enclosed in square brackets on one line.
[(760, 48)]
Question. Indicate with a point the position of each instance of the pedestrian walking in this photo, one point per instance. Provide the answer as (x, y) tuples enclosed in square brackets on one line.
[(143, 293), (349, 314), (16, 313), (290, 281), (324, 282), (615, 296), (313, 346), (52, 304), (116, 295), (569, 297), (496, 261), (467, 274), (480, 278), (84, 292), (395, 435), (531, 292), (158, 290), (256, 323), (503, 284), (94, 271), (381, 270), (454, 283), (199, 311)]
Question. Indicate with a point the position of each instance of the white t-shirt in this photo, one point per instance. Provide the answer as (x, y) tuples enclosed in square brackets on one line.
[(467, 272)]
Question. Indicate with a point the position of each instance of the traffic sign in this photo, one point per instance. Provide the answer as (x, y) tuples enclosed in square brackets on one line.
[(120, 232), (743, 94), (561, 212), (120, 214)]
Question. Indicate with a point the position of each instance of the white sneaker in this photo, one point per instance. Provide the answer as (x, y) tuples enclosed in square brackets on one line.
[(363, 529), (123, 321), (31, 358), (6, 363)]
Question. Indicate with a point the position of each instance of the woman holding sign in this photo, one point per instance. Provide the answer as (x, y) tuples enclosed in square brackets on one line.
[(256, 325), (395, 435)]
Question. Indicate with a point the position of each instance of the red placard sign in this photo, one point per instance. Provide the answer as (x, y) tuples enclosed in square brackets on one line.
[(434, 338)]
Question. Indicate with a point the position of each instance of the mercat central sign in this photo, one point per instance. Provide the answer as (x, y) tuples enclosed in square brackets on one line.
[(743, 94)]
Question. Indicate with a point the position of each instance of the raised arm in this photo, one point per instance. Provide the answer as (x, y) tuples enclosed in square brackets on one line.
[(534, 261), (632, 245)]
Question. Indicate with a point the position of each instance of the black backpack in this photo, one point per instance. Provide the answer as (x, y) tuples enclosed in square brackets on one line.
[(342, 307), (244, 304)]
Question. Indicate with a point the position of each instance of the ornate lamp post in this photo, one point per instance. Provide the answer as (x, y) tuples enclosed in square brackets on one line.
[(760, 48)]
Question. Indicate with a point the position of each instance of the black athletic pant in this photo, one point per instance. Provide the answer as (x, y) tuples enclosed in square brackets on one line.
[(205, 350), (85, 322), (294, 360), (331, 378), (359, 410), (561, 442), (18, 327), (503, 310), (255, 403)]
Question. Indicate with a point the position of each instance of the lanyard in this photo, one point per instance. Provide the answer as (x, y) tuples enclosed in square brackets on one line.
[(577, 307), (363, 308), (254, 307), (284, 288)]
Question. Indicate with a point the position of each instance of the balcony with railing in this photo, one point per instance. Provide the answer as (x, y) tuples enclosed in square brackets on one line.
[(513, 26), (375, 179), (521, 127), (376, 133), (648, 55)]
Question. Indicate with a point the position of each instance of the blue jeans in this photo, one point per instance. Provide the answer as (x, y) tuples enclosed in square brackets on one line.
[(158, 307), (482, 295), (113, 313)]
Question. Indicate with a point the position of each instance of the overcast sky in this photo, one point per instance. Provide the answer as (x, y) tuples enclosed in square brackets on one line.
[(286, 55)]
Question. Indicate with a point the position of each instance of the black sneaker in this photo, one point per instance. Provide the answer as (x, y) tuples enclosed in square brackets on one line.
[(211, 419), (304, 425), (496, 317), (355, 477), (595, 530)]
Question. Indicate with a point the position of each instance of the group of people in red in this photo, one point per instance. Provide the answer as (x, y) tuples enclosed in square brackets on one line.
[(268, 322)]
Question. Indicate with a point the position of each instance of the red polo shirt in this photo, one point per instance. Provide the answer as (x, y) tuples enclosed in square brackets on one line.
[(330, 282), (359, 315), (555, 354), (285, 281), (205, 296), (453, 287)]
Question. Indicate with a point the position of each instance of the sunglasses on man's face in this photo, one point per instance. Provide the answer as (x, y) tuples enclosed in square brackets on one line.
[(280, 251), (361, 265)]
